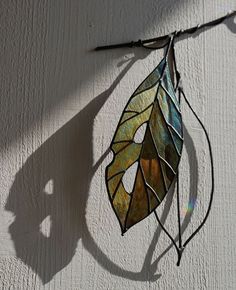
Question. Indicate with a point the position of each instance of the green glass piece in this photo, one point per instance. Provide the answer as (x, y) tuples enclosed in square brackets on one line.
[(128, 128), (152, 79), (140, 102), (127, 115), (116, 147), (124, 159), (121, 204), (113, 184)]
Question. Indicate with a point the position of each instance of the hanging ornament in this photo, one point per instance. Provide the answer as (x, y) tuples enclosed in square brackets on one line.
[(149, 140)]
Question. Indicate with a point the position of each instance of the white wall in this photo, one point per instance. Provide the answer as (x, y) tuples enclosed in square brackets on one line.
[(60, 104)]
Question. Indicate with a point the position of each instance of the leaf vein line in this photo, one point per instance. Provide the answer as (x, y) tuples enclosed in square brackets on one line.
[(116, 189), (173, 128), (167, 163), (144, 181), (122, 141), (117, 173), (149, 88), (168, 94), (132, 195), (123, 147), (136, 114), (153, 191)]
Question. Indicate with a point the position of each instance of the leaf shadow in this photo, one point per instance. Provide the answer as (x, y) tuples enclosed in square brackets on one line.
[(65, 162), (71, 175)]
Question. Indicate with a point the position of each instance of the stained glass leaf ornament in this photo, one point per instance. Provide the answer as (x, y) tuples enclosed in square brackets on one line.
[(153, 159), (155, 105), (154, 110)]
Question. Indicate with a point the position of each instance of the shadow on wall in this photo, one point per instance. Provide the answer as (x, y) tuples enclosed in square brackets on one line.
[(66, 158), (46, 63)]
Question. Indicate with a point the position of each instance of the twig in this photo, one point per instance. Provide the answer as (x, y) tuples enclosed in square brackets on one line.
[(192, 30)]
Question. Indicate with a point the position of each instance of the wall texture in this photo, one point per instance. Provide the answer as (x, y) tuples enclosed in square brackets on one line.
[(60, 104)]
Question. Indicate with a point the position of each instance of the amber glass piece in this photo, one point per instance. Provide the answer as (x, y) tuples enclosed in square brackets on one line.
[(139, 202), (150, 165)]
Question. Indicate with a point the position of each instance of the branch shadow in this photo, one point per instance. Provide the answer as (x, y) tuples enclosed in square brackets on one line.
[(230, 24)]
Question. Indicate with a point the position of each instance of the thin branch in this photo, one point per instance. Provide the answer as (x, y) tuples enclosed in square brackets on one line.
[(192, 30)]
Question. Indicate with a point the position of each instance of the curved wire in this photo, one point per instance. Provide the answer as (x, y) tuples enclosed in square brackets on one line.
[(179, 248), (177, 182), (182, 246), (212, 170), (167, 233)]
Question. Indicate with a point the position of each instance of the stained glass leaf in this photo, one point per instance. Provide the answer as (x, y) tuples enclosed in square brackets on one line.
[(154, 104)]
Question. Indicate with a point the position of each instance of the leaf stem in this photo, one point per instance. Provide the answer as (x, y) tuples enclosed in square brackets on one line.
[(180, 252)]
